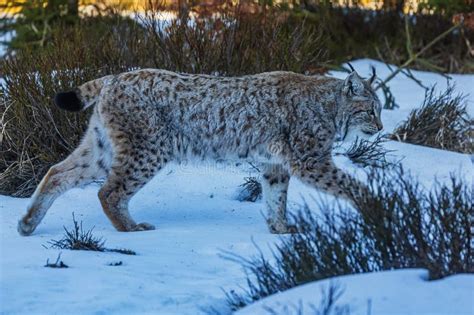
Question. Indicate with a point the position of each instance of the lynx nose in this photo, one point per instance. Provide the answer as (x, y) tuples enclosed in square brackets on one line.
[(379, 125)]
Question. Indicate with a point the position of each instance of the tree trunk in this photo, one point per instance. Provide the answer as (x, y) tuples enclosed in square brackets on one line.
[(73, 7)]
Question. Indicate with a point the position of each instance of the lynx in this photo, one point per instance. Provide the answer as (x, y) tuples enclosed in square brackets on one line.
[(147, 118)]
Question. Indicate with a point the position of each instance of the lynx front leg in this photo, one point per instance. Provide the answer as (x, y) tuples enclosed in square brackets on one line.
[(322, 173), (275, 188)]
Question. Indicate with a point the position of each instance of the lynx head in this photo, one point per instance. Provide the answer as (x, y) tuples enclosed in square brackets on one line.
[(359, 108)]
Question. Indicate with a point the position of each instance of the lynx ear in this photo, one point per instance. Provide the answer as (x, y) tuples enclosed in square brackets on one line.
[(373, 77), (353, 85)]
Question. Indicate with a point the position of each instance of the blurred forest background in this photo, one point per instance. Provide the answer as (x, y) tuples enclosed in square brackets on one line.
[(349, 28)]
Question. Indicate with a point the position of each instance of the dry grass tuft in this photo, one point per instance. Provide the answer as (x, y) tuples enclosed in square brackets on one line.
[(57, 264), (80, 239)]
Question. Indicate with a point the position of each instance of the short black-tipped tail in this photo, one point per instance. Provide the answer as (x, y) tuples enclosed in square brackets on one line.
[(69, 101)]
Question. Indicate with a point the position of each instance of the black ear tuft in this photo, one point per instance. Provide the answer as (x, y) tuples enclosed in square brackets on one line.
[(68, 101), (373, 77), (350, 66)]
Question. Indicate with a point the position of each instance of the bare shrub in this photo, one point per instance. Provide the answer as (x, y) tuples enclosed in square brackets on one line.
[(441, 122), (369, 152), (390, 102), (397, 225), (251, 190), (232, 43)]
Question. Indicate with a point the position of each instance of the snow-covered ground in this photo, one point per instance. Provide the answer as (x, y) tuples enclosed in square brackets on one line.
[(179, 270), (404, 292)]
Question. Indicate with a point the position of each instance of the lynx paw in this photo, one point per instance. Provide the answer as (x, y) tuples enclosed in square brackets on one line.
[(143, 227), (25, 229), (282, 228)]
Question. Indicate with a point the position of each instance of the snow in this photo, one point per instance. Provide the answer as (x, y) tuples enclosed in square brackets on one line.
[(179, 268), (4, 38), (390, 292)]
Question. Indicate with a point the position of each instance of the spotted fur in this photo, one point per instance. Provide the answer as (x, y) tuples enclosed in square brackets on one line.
[(144, 119)]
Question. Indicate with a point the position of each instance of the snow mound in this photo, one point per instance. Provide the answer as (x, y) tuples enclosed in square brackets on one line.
[(390, 292)]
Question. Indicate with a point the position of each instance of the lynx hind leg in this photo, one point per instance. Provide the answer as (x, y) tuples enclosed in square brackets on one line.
[(84, 165), (139, 155), (132, 168), (275, 188)]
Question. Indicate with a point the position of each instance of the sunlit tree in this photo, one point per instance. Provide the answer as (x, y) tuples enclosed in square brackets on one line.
[(31, 21)]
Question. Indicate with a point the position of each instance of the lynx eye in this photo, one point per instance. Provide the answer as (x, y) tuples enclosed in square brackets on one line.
[(371, 112)]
